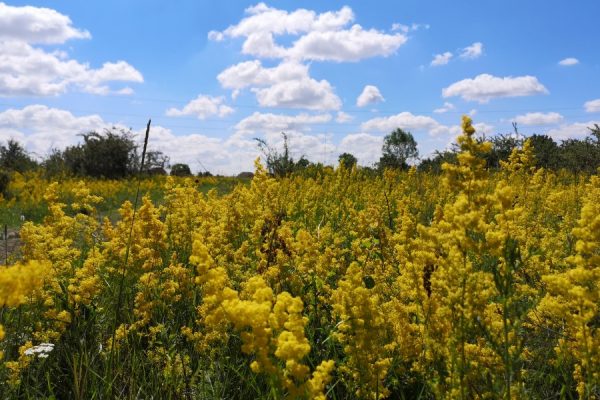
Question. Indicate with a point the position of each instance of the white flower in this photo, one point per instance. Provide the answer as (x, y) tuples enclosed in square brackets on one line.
[(42, 350)]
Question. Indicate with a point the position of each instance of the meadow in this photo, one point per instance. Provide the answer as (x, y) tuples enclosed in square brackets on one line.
[(468, 284)]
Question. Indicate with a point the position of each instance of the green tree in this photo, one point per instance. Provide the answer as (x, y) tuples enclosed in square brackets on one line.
[(580, 155), (155, 160), (399, 147), (434, 164), (14, 157), (181, 170), (112, 155), (347, 160), (502, 146), (546, 151), (55, 164)]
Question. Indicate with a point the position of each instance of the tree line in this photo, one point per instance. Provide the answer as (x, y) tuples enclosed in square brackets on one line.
[(113, 154)]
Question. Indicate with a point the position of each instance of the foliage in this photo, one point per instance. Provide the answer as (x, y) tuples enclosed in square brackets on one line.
[(347, 160), (280, 164), (14, 157), (181, 170), (502, 147), (4, 181), (399, 147), (110, 155)]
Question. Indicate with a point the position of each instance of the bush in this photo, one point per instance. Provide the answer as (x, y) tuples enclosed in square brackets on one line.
[(181, 170)]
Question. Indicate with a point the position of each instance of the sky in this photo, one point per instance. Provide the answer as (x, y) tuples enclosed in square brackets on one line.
[(335, 76)]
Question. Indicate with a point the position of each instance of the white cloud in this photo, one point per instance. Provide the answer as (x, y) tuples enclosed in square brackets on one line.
[(485, 87), (264, 19), (473, 51), (365, 147), (317, 147), (538, 118), (369, 95), (41, 128), (126, 91), (404, 120), (353, 44), (592, 105), (37, 25), (445, 108), (26, 70), (481, 129), (322, 37), (305, 93), (201, 151), (288, 85), (441, 59), (276, 123), (400, 27), (202, 107), (252, 73), (568, 62), (343, 117), (408, 28), (577, 130)]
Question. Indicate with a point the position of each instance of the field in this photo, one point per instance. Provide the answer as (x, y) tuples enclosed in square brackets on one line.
[(465, 284)]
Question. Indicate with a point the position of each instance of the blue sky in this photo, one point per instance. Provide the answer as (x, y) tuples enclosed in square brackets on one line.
[(337, 76)]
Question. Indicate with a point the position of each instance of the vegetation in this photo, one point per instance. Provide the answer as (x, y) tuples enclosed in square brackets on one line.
[(181, 170), (399, 148), (473, 282), (347, 160)]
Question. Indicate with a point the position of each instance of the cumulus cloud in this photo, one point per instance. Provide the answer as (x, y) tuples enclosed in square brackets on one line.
[(592, 105), (269, 122), (323, 37), (26, 70), (252, 73), (365, 147), (37, 25), (473, 51), (441, 59), (298, 128), (304, 93), (369, 95), (538, 118), (404, 120), (343, 117), (577, 130), (288, 85), (481, 129), (485, 87), (202, 107), (264, 19), (568, 62), (445, 108), (41, 128), (353, 44)]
